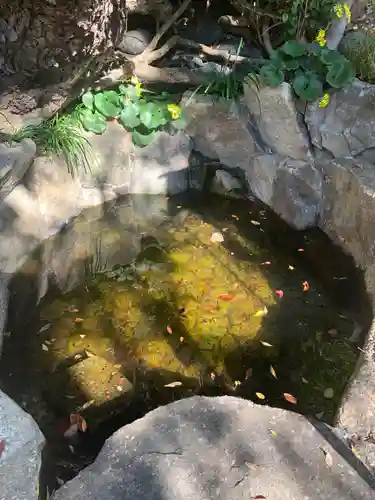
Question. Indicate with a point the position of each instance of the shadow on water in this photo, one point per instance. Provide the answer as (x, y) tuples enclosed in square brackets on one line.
[(179, 315)]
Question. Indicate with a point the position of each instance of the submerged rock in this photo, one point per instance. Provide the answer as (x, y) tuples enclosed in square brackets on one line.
[(218, 448)]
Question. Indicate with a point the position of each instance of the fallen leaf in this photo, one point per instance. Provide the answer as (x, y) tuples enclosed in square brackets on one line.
[(304, 380), (235, 217), (300, 250), (266, 344), (327, 458), (329, 393), (82, 336), (291, 268), (266, 263), (273, 433), (2, 446), (119, 388), (290, 398), (248, 373), (78, 320), (44, 347), (259, 395), (212, 375), (237, 383), (217, 237), (272, 370), (173, 384), (280, 293), (259, 497), (82, 424), (169, 329), (226, 296), (87, 404), (181, 339), (45, 327), (305, 286), (255, 223), (71, 448), (261, 312), (89, 354)]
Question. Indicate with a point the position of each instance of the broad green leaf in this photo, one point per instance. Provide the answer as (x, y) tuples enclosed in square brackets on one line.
[(307, 86), (93, 121), (293, 49), (329, 57), (129, 116), (291, 64), (340, 74), (153, 115), (141, 139), (88, 100), (180, 123), (271, 75), (105, 105)]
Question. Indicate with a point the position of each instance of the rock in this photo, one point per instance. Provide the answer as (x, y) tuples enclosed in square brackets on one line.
[(292, 188), (20, 460), (225, 184), (159, 168), (15, 159), (218, 448), (346, 128), (135, 41), (218, 130), (274, 113)]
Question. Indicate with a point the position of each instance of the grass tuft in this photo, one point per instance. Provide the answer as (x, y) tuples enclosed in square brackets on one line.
[(62, 136)]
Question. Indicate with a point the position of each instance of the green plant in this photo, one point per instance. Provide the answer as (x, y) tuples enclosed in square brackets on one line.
[(311, 69), (139, 111), (359, 48), (305, 17), (61, 135)]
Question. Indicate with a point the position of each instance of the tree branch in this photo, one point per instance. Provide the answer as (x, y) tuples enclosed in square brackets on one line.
[(168, 23)]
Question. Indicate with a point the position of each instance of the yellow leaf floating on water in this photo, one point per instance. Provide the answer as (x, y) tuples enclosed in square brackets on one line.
[(273, 433), (266, 344), (290, 398), (259, 395), (255, 223), (173, 384), (291, 268), (261, 312), (272, 370)]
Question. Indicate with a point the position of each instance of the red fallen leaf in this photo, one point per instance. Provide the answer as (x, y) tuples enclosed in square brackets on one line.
[(266, 263), (290, 398), (169, 329), (79, 421), (2, 446), (280, 293), (300, 250), (226, 296), (305, 286)]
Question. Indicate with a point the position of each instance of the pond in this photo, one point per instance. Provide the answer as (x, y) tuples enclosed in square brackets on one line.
[(166, 298)]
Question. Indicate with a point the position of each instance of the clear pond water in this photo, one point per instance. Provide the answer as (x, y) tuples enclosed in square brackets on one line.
[(175, 297)]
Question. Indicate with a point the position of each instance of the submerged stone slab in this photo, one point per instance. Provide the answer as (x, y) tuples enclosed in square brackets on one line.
[(218, 448), (21, 458)]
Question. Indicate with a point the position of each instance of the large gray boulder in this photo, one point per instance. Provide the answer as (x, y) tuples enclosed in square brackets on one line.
[(15, 159), (218, 448), (20, 460)]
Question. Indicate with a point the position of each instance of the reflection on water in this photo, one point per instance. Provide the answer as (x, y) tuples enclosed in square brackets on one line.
[(169, 298)]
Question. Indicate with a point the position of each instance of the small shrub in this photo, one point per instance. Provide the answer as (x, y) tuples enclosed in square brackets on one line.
[(311, 69), (359, 48), (63, 136), (139, 111)]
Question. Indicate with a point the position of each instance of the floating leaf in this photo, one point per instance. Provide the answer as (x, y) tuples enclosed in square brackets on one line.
[(119, 388), (272, 370), (78, 320), (259, 395), (2, 446), (290, 398), (217, 237), (226, 297), (273, 433), (261, 312), (255, 223), (45, 327), (329, 393), (173, 384), (300, 250), (266, 263), (248, 373), (266, 344), (169, 330), (44, 347), (305, 286), (182, 339), (279, 293), (291, 268), (304, 380)]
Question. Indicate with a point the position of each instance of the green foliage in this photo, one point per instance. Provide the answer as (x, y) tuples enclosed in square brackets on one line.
[(359, 48), (62, 136), (310, 68), (139, 111)]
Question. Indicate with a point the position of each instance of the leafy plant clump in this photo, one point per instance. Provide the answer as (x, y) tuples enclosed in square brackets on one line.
[(359, 48), (141, 112), (62, 136), (311, 69)]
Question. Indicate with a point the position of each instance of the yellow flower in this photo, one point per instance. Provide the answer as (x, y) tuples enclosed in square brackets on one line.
[(338, 10), (321, 38), (137, 84), (324, 101), (175, 111), (134, 80), (348, 12)]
